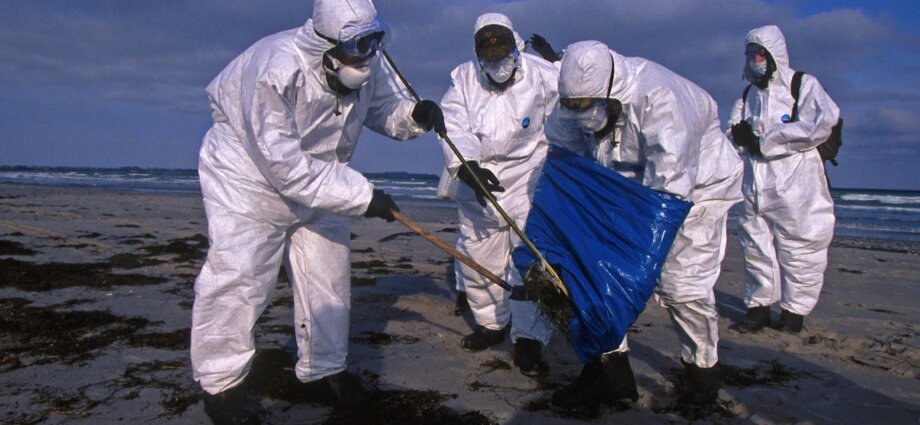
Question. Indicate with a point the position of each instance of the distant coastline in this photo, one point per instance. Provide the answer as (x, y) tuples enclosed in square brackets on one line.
[(862, 214)]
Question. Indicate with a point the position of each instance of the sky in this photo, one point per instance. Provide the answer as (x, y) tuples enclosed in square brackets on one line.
[(121, 83)]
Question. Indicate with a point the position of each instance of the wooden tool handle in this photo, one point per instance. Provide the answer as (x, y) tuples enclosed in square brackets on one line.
[(450, 250)]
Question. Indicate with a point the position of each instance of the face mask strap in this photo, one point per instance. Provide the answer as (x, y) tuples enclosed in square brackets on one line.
[(611, 118), (610, 81)]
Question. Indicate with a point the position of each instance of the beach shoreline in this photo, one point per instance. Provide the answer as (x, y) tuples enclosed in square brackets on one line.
[(97, 288)]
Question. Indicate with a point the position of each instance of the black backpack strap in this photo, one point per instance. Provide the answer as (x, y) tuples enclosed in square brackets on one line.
[(744, 99), (796, 90)]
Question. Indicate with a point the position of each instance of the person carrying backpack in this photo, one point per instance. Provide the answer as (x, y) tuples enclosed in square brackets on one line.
[(788, 219)]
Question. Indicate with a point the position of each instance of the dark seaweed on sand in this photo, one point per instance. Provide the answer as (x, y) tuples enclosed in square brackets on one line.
[(14, 248), (272, 376), (766, 373), (49, 276), (184, 250), (45, 334)]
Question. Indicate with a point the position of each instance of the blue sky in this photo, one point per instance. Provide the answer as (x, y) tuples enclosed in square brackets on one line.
[(121, 83)]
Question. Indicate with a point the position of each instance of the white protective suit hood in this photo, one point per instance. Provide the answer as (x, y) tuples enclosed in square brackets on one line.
[(585, 72), (772, 39), (498, 19), (330, 17)]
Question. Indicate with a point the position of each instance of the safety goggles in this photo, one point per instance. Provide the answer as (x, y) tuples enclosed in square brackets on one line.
[(493, 43), (578, 103), (755, 52), (361, 40)]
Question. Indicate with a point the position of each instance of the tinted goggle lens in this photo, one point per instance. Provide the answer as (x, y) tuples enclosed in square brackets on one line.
[(755, 53), (363, 46), (369, 44), (577, 103)]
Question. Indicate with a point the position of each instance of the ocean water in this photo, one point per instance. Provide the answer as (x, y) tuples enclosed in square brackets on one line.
[(878, 214), (861, 213)]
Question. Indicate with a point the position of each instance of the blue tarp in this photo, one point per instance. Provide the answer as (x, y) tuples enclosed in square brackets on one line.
[(610, 236)]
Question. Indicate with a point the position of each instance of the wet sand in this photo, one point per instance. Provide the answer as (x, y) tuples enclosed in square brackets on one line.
[(96, 288)]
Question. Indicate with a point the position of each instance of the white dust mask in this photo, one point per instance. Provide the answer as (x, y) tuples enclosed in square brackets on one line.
[(500, 71), (354, 76), (759, 69)]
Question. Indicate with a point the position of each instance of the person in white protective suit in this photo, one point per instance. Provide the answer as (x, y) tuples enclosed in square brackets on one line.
[(495, 111), (788, 218), (659, 129), (277, 189)]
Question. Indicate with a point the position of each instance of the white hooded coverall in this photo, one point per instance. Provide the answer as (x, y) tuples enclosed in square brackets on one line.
[(277, 189), (788, 218), (667, 138), (503, 131)]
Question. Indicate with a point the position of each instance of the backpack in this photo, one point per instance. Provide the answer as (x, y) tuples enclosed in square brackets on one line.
[(827, 149)]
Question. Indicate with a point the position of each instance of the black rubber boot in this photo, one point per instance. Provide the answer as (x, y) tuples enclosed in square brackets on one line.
[(528, 357), (346, 389), (482, 338), (586, 392), (462, 305), (231, 407), (755, 319), (701, 384), (620, 380), (790, 322)]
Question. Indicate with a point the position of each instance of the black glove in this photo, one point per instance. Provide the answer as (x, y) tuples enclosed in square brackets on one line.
[(487, 178), (743, 136), (541, 46), (428, 115), (381, 206)]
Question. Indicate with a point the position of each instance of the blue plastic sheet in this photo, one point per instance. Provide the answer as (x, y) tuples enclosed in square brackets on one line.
[(610, 236)]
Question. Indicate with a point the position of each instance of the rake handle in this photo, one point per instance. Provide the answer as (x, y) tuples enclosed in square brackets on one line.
[(413, 226)]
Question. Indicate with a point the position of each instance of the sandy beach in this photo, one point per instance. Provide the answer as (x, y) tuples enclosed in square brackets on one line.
[(96, 289)]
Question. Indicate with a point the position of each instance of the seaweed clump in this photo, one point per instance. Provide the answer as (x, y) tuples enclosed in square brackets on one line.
[(272, 376), (45, 334), (50, 276), (14, 248), (184, 250), (554, 304), (380, 339), (766, 373)]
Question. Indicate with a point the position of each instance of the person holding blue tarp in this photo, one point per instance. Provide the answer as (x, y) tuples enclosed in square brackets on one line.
[(495, 111), (659, 129)]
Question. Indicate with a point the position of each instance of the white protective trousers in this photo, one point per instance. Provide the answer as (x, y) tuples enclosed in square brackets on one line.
[(489, 303), (667, 138), (697, 325), (239, 276), (696, 321), (503, 131), (788, 219)]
